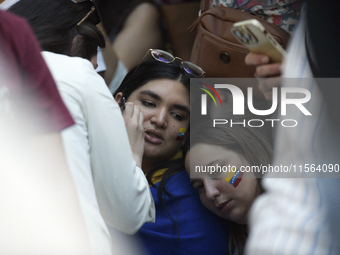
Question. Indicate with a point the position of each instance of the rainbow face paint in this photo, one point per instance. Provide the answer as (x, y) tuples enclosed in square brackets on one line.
[(181, 134), (234, 176)]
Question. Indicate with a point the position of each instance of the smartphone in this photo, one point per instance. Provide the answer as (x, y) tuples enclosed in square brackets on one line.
[(254, 36)]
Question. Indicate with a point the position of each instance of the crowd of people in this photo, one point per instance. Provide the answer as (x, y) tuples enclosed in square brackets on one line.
[(98, 141)]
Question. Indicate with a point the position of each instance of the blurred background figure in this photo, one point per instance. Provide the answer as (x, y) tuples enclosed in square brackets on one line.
[(134, 26), (40, 211), (301, 215)]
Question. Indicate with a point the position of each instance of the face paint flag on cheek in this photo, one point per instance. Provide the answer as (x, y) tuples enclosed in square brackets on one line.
[(234, 177), (181, 134)]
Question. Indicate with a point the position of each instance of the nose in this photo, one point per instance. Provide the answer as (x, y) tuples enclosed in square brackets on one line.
[(159, 118), (211, 190)]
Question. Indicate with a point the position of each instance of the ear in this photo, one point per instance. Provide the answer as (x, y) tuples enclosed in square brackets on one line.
[(118, 97)]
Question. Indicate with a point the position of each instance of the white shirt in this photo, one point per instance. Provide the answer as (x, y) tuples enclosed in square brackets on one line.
[(110, 186), (290, 217)]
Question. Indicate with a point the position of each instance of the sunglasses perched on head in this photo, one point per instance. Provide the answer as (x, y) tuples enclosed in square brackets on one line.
[(92, 15), (166, 57)]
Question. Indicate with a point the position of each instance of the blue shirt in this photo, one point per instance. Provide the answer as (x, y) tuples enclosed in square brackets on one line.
[(199, 230)]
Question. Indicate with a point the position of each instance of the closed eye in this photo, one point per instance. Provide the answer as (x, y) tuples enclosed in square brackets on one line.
[(148, 103), (198, 187), (177, 116), (215, 174)]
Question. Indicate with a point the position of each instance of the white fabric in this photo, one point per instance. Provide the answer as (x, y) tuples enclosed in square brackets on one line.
[(100, 62), (99, 155), (7, 4), (290, 218), (118, 77), (119, 74)]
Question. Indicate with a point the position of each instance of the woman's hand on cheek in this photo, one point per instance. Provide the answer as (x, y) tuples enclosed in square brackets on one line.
[(134, 126)]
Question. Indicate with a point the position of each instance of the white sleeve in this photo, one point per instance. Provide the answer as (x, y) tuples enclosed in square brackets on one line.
[(122, 190), (289, 218)]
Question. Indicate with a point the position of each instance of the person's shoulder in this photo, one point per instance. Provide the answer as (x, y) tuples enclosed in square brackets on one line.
[(76, 73), (71, 67), (180, 183), (78, 64)]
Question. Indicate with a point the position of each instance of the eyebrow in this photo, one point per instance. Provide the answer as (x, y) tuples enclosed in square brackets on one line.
[(157, 97), (192, 181), (151, 94), (212, 162), (183, 108)]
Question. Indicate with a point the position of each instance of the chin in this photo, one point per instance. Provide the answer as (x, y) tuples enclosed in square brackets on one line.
[(239, 219), (224, 216), (150, 152)]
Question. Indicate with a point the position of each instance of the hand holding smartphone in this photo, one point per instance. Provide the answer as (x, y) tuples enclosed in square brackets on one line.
[(253, 35)]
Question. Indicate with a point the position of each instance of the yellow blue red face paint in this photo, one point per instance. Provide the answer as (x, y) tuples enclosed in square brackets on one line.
[(234, 177), (181, 134)]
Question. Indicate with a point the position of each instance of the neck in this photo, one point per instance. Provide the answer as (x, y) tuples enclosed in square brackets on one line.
[(148, 164)]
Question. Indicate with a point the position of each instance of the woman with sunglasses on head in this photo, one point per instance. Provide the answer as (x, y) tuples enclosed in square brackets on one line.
[(112, 188), (160, 88), (228, 193)]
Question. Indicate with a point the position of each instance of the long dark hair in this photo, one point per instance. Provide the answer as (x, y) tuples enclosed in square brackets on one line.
[(252, 143), (54, 23), (139, 76)]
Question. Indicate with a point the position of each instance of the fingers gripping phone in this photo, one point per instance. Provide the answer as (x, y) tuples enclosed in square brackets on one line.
[(254, 36)]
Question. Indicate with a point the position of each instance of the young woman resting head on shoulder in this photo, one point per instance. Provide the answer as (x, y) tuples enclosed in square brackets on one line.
[(230, 190)]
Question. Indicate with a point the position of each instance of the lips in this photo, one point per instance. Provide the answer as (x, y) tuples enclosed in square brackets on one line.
[(153, 136), (224, 207)]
